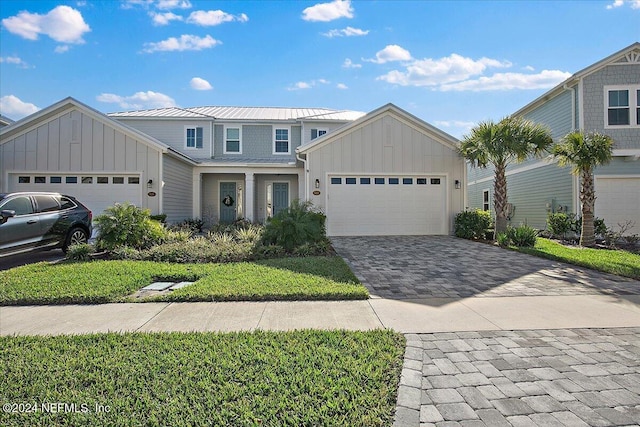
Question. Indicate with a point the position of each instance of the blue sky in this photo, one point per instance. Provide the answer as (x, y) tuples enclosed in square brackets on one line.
[(451, 63)]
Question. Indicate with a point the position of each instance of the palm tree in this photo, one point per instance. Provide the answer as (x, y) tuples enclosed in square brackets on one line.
[(584, 152), (512, 139)]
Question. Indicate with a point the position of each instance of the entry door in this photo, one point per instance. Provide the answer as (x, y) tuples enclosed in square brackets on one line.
[(280, 196), (228, 202)]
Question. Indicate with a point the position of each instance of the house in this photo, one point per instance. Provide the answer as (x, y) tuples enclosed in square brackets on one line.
[(603, 97), (225, 163)]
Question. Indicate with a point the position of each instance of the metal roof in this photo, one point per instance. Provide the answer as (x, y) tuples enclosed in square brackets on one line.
[(245, 113)]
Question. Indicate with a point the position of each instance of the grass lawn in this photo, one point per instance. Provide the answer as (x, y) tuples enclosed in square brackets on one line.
[(312, 278), (300, 378), (621, 263)]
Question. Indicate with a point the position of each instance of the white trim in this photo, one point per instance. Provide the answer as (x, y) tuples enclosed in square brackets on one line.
[(581, 104), (540, 164), (633, 106), (224, 138), (625, 152), (616, 176), (195, 141), (273, 145)]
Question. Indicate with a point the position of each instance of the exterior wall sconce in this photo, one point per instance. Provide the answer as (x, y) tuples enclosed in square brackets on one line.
[(317, 183), (457, 184), (150, 183)]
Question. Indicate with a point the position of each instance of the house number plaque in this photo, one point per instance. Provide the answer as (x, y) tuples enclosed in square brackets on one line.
[(316, 193), (151, 194)]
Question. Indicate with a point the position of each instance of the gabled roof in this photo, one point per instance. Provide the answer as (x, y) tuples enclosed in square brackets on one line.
[(5, 121), (630, 54), (388, 109), (244, 113), (28, 122)]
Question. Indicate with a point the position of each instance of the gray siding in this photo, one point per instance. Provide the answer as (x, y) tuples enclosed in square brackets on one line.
[(177, 188), (556, 113), (594, 103), (620, 166), (257, 143), (173, 133)]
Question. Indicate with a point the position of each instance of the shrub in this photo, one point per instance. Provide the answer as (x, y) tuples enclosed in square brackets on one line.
[(125, 252), (559, 224), (503, 240), (80, 252), (127, 225), (268, 251), (472, 224), (199, 250), (193, 224), (522, 236), (295, 226), (160, 218)]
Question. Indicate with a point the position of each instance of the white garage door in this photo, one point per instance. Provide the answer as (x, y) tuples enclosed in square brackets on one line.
[(97, 192), (618, 201), (384, 205)]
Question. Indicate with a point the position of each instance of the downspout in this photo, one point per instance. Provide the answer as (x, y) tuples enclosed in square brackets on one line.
[(306, 176)]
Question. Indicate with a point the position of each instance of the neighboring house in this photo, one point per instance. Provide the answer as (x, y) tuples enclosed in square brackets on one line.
[(604, 97), (5, 121), (225, 163)]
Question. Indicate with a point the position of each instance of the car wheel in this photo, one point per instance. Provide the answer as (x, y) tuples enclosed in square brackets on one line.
[(75, 237)]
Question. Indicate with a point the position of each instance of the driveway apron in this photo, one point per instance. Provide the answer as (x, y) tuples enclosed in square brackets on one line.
[(415, 267)]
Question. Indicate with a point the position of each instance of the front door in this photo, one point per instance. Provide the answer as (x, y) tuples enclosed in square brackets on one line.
[(280, 196), (228, 202)]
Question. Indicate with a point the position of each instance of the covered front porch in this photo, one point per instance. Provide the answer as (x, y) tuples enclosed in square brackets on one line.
[(225, 194)]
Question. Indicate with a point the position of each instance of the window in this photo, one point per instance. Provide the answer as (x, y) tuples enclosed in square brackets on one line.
[(336, 180), (103, 180), (55, 180), (66, 203), (21, 205), (350, 180), (394, 181), (407, 181), (47, 204), (379, 180), (40, 179), (232, 141), (365, 181), (622, 106), (316, 133), (24, 179), (87, 180), (71, 180), (194, 137), (118, 180), (421, 181), (133, 180), (485, 200), (435, 181), (281, 141)]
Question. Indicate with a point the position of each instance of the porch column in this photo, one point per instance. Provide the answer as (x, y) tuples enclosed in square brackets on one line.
[(249, 196), (196, 195)]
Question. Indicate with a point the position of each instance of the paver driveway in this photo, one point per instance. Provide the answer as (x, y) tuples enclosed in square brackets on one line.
[(402, 267)]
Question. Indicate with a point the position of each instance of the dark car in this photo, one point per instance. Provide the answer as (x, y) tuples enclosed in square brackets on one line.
[(32, 221)]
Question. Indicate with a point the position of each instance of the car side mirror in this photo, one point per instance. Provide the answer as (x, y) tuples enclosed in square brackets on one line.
[(5, 215)]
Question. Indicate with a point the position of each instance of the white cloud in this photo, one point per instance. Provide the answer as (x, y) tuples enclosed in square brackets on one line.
[(198, 83), (307, 85), (139, 100), (14, 107), (635, 4), (346, 32), (61, 48), (528, 68), (185, 42), (325, 12), (436, 72), (164, 18), (15, 60), (342, 86), (390, 53), (348, 63), (173, 4), (214, 17), (63, 24), (509, 81)]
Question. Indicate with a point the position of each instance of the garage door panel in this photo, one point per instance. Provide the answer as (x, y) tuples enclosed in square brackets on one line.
[(618, 201), (386, 209), (97, 192)]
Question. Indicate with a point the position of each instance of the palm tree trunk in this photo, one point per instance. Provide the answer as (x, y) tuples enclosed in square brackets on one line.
[(587, 198), (500, 198)]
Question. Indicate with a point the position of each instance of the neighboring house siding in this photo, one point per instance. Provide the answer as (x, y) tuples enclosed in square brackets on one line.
[(173, 133), (176, 189), (594, 102)]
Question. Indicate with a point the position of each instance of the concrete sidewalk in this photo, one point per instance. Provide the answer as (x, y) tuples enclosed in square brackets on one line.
[(408, 316)]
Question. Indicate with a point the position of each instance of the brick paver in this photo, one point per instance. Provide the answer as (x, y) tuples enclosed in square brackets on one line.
[(401, 267), (515, 378)]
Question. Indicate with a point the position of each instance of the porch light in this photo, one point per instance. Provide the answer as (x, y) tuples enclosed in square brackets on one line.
[(150, 183), (317, 183), (457, 184)]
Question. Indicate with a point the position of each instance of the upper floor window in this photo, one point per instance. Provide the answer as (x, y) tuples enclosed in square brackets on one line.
[(622, 106), (281, 141), (232, 140), (316, 133), (194, 137)]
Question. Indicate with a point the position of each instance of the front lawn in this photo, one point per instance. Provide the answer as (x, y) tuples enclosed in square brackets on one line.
[(202, 379), (617, 262), (312, 278)]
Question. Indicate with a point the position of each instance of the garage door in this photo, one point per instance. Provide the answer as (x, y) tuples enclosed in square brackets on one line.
[(97, 192), (618, 201), (386, 205)]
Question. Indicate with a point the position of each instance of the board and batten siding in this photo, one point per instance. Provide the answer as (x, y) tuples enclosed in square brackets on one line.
[(176, 189), (72, 142), (174, 134), (387, 145)]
